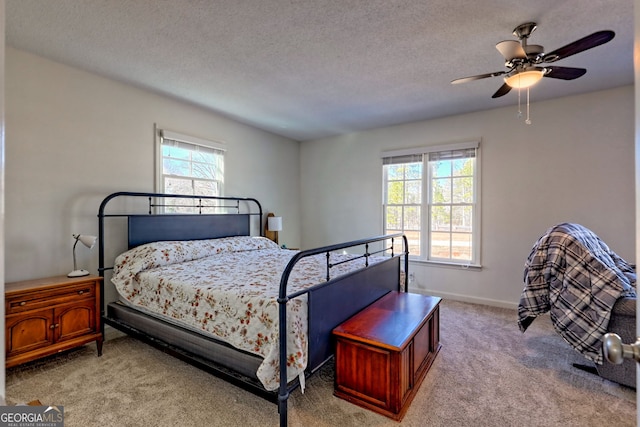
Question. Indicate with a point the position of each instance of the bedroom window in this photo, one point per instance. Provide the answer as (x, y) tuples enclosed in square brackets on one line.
[(403, 198), (432, 195), (189, 165)]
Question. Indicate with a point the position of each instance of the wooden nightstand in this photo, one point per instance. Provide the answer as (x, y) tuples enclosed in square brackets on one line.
[(50, 315)]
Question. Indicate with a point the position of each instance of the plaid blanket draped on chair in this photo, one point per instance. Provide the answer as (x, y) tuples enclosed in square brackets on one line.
[(574, 276)]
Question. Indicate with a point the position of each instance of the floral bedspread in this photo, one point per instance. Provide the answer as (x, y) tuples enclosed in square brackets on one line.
[(229, 288)]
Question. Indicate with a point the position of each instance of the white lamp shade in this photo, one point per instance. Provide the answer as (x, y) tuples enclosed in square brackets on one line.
[(88, 241), (274, 223)]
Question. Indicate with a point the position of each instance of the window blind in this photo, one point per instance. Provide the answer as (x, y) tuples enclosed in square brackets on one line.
[(395, 160), (452, 154)]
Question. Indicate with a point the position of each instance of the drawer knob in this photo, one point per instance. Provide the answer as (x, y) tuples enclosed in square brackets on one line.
[(23, 303), (80, 292)]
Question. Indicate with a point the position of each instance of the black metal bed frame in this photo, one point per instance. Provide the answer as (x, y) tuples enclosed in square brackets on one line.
[(363, 288)]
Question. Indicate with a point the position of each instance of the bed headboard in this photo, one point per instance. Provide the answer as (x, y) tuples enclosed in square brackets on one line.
[(153, 228), (209, 217)]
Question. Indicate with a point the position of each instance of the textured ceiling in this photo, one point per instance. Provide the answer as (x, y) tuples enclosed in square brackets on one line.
[(308, 69)]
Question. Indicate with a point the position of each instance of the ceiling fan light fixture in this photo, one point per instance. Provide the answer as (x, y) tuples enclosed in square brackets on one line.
[(525, 78)]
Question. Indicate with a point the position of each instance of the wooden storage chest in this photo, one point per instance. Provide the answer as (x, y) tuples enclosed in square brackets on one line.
[(384, 352)]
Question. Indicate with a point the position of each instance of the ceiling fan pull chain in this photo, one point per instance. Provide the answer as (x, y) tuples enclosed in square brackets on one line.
[(519, 109), (528, 121)]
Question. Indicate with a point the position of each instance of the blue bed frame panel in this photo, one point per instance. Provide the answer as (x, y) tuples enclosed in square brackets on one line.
[(334, 303), (153, 228)]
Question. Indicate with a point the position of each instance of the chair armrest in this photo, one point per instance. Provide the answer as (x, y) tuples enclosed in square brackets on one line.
[(625, 307)]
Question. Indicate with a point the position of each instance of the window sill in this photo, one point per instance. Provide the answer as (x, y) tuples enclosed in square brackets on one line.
[(472, 267)]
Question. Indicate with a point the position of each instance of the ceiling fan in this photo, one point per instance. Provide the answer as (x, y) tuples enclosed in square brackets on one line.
[(525, 61)]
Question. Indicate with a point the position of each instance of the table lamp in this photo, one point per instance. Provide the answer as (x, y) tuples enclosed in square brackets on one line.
[(274, 223), (86, 240)]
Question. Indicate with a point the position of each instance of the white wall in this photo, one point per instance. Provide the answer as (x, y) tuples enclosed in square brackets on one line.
[(2, 173), (574, 163), (73, 137)]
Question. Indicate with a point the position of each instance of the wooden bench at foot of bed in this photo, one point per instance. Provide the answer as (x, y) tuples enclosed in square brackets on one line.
[(384, 352)]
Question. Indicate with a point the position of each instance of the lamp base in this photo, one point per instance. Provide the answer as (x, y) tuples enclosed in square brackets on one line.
[(78, 273)]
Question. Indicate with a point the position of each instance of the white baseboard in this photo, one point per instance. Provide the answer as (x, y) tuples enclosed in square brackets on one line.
[(466, 298)]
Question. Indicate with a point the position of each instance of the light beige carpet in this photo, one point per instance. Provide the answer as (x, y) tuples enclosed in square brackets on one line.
[(487, 374)]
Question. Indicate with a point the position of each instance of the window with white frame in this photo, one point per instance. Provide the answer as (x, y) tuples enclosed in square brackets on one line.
[(432, 195), (189, 165)]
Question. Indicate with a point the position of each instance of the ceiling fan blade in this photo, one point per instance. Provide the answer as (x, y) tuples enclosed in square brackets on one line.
[(478, 77), (504, 89), (511, 49), (564, 73), (593, 40)]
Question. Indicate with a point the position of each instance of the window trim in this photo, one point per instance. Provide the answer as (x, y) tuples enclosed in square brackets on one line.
[(425, 220)]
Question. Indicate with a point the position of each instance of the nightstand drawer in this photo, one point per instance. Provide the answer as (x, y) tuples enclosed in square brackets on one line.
[(48, 297)]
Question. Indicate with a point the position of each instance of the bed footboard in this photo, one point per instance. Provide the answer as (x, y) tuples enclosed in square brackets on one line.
[(336, 300)]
